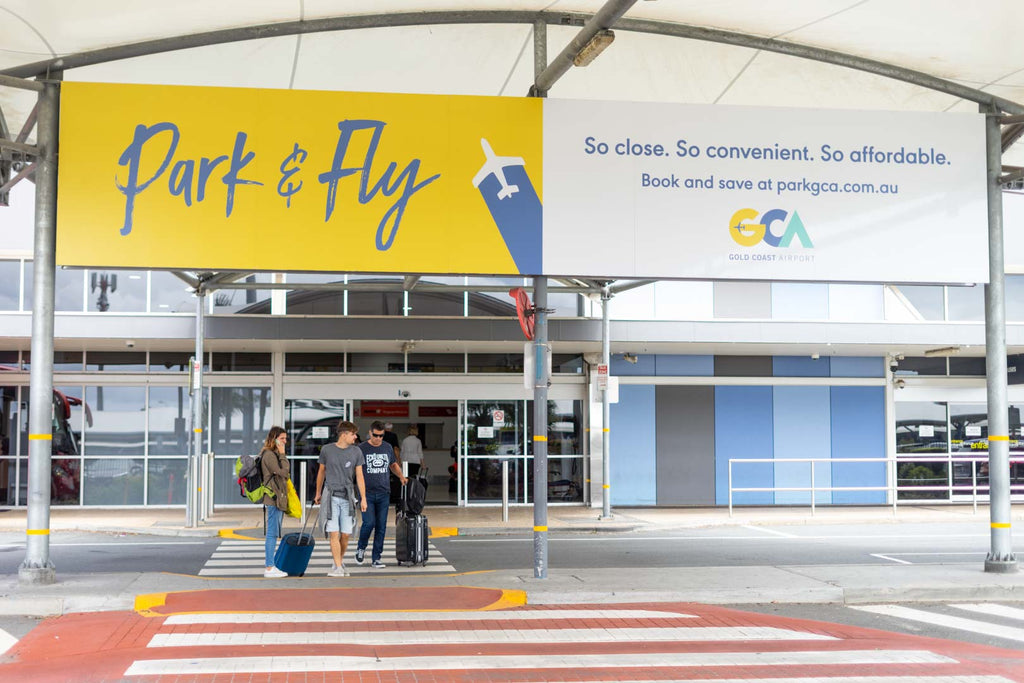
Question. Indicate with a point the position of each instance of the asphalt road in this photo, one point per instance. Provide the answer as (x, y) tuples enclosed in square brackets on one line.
[(712, 547)]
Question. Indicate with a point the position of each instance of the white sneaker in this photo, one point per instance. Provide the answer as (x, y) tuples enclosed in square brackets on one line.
[(274, 573), (377, 564), (338, 571)]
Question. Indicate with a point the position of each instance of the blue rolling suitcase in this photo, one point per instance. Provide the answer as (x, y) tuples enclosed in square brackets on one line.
[(292, 556)]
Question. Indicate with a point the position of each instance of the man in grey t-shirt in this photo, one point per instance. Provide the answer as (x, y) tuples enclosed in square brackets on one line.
[(339, 476)]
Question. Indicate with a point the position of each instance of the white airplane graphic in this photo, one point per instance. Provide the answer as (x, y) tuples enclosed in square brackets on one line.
[(495, 166)]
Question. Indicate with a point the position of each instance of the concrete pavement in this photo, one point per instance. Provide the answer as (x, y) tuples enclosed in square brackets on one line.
[(716, 585)]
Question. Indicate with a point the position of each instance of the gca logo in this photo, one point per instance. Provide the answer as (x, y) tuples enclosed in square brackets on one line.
[(749, 234)]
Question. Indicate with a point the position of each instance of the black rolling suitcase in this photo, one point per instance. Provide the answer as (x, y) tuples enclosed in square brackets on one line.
[(292, 556), (411, 528)]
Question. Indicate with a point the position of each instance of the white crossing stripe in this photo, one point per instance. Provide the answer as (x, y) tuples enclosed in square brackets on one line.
[(993, 610), (484, 636), (245, 558), (292, 663), (937, 619), (7, 641), (405, 617)]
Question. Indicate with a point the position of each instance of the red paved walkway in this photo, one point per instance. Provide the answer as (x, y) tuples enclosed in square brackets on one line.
[(448, 634)]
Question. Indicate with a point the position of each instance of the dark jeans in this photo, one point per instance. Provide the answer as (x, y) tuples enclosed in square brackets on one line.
[(375, 519)]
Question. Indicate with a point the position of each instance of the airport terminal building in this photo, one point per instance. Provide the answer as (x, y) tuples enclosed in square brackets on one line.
[(795, 285)]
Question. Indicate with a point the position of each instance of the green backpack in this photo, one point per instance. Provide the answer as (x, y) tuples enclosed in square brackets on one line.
[(250, 479)]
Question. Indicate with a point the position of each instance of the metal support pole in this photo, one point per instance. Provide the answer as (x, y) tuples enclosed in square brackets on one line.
[(606, 409), (37, 567), (540, 429), (504, 489), (195, 484), (1000, 557)]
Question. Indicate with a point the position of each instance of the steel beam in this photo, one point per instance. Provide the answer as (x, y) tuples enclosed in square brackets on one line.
[(20, 147), (604, 18), (20, 83), (650, 26)]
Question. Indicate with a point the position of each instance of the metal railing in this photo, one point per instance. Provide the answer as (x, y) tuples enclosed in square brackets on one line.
[(892, 489)]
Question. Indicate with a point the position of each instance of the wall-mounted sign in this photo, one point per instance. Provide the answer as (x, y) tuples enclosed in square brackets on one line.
[(200, 178), (384, 408), (438, 411), (485, 432)]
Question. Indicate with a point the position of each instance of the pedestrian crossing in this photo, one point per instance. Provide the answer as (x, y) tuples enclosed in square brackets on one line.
[(679, 642), (1004, 621), (241, 558)]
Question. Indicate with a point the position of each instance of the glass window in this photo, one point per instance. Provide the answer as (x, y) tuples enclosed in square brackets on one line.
[(566, 364), (9, 361), (170, 294), (170, 409), (256, 301), (118, 424), (926, 300), (166, 479), (240, 419), (922, 365), (565, 427), (751, 300), (113, 481), (8, 481), (314, 362), (376, 362), (448, 303), (437, 362), (966, 303), (495, 362), (68, 361), (493, 303), (565, 479), (170, 361), (368, 302), (563, 305), (9, 411), (1014, 294), (69, 290), (921, 427), (241, 362), (115, 361), (117, 291), (10, 285)]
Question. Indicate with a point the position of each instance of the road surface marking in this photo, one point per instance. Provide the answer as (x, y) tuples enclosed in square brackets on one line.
[(770, 531), (993, 610), (891, 559), (483, 636), (7, 641), (937, 619), (662, 660), (497, 615)]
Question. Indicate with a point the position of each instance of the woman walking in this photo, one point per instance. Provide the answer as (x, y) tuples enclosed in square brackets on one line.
[(274, 466)]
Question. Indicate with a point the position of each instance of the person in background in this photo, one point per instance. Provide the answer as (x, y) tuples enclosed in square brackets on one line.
[(412, 450), (380, 463), (391, 439), (274, 466)]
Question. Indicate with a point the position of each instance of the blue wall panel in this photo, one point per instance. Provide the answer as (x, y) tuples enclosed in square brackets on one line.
[(858, 366), (802, 430), (800, 366), (633, 446), (858, 431), (743, 429), (685, 366)]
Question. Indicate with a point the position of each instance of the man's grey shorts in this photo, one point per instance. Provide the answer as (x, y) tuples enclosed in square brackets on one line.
[(341, 516)]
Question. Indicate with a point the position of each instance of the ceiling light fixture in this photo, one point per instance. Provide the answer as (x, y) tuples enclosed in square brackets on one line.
[(594, 47)]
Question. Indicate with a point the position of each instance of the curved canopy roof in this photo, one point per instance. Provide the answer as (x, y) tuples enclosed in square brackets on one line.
[(484, 47)]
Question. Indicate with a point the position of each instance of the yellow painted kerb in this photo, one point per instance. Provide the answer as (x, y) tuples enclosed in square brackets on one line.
[(441, 531), (231, 533), (146, 602)]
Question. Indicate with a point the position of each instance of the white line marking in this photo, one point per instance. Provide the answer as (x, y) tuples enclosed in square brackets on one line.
[(837, 679), (939, 552), (118, 544), (770, 531), (891, 559), (256, 571), (993, 610), (291, 663), (404, 617), (633, 538), (936, 619), (484, 636), (7, 641)]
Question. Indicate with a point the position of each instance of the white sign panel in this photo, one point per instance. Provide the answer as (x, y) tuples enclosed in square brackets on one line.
[(972, 431), (927, 431), (499, 417), (321, 432), (635, 190), (485, 432)]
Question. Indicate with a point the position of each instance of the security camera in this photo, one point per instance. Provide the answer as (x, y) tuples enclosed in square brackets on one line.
[(894, 365), (130, 343), (405, 394)]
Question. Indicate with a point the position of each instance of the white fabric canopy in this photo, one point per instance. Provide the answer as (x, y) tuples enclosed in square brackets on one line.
[(976, 45)]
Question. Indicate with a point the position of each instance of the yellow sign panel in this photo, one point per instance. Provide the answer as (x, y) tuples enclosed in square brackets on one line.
[(242, 179)]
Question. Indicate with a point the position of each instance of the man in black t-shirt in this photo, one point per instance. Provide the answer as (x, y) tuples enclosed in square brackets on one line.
[(379, 464)]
